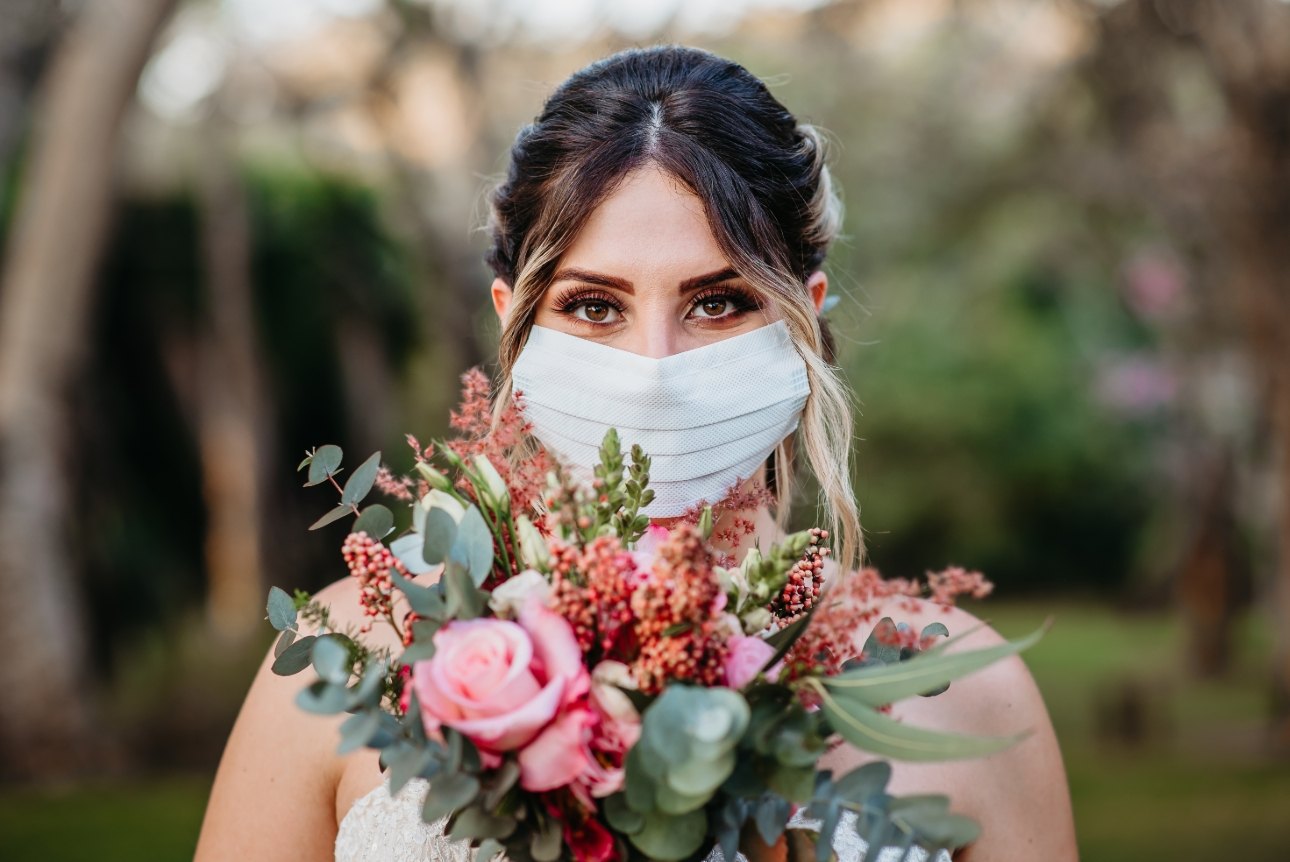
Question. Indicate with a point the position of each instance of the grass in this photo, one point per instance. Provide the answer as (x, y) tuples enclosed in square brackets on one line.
[(1195, 787)]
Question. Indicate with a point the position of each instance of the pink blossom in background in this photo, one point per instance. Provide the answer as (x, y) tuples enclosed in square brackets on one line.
[(1154, 284), (1136, 385)]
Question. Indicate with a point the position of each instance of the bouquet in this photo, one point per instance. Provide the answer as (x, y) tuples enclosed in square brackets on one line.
[(577, 683)]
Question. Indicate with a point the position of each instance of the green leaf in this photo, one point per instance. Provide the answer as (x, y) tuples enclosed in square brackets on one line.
[(369, 689), (295, 658), (488, 850), (875, 685), (934, 629), (305, 463), (869, 730), (361, 480), (473, 547), (503, 779), (324, 463), (475, 822), (771, 817), (465, 601), (331, 517), (931, 822), (410, 762), (449, 792), (331, 659), (863, 782), (322, 697), (357, 730), (284, 640), (547, 841), (282, 610), (376, 520), (621, 816), (426, 601), (669, 838), (440, 532)]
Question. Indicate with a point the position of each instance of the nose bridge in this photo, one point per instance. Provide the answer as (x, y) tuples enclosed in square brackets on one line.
[(659, 332)]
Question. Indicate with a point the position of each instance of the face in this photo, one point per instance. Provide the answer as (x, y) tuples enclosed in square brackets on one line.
[(646, 275)]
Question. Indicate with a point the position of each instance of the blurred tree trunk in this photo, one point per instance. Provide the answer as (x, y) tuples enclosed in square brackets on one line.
[(230, 400), (1225, 190), (46, 711)]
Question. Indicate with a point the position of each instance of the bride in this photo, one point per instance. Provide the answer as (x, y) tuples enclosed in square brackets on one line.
[(663, 201)]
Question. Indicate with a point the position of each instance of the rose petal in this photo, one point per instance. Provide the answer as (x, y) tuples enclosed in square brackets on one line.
[(559, 754)]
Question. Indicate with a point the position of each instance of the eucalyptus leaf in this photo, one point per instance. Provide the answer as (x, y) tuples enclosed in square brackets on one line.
[(473, 547), (375, 520), (440, 531), (331, 517), (935, 830), (870, 730), (771, 817), (331, 659), (875, 685), (282, 610), (621, 816), (475, 822), (295, 658), (357, 730), (368, 691), (410, 762), (547, 841), (408, 549), (418, 651), (862, 782), (448, 793), (465, 601), (324, 463), (426, 601), (285, 640), (488, 850), (503, 779), (322, 697), (361, 480), (671, 838)]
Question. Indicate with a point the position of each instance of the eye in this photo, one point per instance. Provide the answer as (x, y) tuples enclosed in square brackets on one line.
[(724, 303), (594, 311), (593, 308)]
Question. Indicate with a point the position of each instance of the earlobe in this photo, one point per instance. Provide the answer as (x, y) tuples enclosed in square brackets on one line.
[(818, 287), (502, 294)]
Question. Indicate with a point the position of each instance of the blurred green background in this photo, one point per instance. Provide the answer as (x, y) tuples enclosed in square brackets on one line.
[(234, 230)]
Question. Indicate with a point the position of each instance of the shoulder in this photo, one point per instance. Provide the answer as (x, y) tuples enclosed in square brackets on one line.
[(274, 790), (1020, 795)]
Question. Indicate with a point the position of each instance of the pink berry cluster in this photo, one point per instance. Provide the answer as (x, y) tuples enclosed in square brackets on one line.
[(675, 616), (805, 579), (593, 590), (370, 563)]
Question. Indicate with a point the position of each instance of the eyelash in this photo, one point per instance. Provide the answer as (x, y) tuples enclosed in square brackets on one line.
[(569, 301)]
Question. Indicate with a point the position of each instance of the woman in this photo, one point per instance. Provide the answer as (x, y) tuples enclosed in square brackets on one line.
[(662, 202)]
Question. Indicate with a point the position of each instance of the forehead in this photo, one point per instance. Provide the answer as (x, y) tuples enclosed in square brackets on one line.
[(650, 222)]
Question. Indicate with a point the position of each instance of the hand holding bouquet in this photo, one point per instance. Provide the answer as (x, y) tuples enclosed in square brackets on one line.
[(578, 684)]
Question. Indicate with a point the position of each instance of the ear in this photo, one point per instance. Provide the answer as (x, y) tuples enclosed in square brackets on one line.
[(818, 286), (502, 293)]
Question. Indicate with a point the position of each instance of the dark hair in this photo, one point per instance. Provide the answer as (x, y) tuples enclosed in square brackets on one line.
[(764, 182)]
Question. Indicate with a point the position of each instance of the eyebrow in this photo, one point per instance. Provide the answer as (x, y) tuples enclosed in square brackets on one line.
[(698, 281)]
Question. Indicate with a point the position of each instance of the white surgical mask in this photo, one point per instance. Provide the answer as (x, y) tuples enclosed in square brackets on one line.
[(707, 417)]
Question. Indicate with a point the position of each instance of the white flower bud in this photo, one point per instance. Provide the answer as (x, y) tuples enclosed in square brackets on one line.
[(511, 594)]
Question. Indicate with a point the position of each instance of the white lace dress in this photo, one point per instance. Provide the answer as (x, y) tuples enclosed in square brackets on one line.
[(384, 828)]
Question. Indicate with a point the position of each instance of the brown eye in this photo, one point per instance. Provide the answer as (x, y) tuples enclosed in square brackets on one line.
[(715, 307), (596, 311)]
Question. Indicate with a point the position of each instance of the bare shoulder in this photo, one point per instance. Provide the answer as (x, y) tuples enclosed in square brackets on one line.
[(1020, 795), (274, 793)]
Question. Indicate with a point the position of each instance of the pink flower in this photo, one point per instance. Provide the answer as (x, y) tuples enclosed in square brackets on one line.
[(561, 753), (500, 683), (647, 546), (745, 656)]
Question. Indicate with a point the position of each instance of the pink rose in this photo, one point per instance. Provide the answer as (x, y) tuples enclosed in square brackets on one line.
[(560, 754), (745, 656), (499, 683)]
